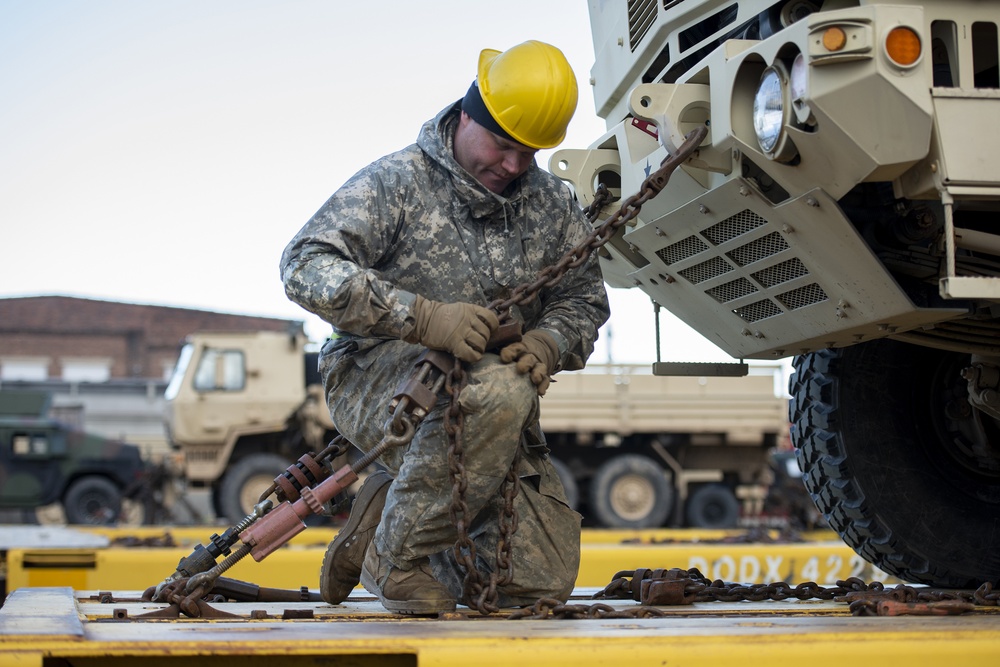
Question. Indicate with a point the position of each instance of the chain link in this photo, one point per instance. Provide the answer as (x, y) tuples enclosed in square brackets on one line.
[(551, 608)]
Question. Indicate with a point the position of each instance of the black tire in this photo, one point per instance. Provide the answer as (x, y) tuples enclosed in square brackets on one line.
[(244, 481), (93, 501), (568, 482), (631, 491), (897, 461), (712, 506)]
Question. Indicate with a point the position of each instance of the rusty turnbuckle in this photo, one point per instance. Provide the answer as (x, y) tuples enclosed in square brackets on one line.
[(269, 528), (303, 489)]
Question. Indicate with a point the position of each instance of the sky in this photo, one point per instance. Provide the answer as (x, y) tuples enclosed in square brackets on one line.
[(165, 152)]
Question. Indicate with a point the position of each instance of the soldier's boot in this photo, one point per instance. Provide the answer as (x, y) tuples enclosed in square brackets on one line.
[(341, 569), (413, 591)]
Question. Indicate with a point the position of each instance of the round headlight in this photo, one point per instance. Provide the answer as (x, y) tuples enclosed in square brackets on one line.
[(769, 110)]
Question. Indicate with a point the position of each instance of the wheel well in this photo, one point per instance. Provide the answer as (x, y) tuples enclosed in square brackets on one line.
[(80, 474), (256, 443), (247, 445), (288, 443)]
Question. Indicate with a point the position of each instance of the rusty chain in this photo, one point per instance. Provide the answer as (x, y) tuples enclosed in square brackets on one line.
[(551, 608), (629, 210), (679, 586), (676, 586), (477, 595)]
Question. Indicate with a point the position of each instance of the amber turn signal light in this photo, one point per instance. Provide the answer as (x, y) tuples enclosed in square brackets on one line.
[(902, 45), (834, 38)]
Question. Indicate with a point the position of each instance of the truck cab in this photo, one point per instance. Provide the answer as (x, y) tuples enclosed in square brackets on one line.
[(241, 407)]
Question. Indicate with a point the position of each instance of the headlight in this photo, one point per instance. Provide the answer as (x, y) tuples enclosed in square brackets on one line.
[(769, 110), (772, 113)]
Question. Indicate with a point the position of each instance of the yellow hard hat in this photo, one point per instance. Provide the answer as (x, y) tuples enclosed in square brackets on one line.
[(530, 90)]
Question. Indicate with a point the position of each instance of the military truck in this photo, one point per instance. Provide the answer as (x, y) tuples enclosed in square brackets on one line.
[(638, 451), (633, 450), (43, 462), (241, 407), (842, 209)]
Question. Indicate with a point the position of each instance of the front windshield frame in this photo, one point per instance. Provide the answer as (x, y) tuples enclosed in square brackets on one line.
[(180, 368)]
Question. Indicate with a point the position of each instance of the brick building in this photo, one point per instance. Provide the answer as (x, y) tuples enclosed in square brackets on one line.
[(106, 363), (87, 340)]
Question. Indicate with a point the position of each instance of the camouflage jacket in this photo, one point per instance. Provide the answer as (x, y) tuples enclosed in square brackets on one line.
[(415, 222)]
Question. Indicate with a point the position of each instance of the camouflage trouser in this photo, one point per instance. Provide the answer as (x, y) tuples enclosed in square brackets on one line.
[(497, 405)]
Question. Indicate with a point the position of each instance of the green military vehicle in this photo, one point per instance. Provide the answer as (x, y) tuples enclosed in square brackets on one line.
[(842, 209), (43, 462)]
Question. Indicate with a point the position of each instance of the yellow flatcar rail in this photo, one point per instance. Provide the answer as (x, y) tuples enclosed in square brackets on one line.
[(822, 557)]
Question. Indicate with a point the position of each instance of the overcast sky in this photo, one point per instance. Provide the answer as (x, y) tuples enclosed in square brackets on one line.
[(165, 152)]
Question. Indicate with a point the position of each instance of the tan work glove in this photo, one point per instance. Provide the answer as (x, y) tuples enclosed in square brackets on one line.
[(459, 328), (536, 354)]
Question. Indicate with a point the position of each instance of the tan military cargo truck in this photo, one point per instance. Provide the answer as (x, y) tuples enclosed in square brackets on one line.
[(633, 450), (844, 209), (241, 407)]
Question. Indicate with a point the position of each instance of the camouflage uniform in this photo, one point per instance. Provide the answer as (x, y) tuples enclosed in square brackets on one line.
[(415, 222)]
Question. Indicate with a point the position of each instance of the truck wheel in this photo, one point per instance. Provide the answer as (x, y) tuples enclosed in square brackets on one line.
[(898, 462), (568, 482), (631, 491), (92, 500), (712, 506), (243, 483)]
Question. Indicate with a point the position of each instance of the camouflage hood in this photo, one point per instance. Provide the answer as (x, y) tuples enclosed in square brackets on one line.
[(437, 140)]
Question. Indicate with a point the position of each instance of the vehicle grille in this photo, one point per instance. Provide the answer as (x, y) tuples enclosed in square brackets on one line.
[(733, 226), (781, 273), (757, 250), (681, 250), (766, 281)]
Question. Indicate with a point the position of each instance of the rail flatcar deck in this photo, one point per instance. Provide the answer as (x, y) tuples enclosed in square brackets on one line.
[(57, 626)]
